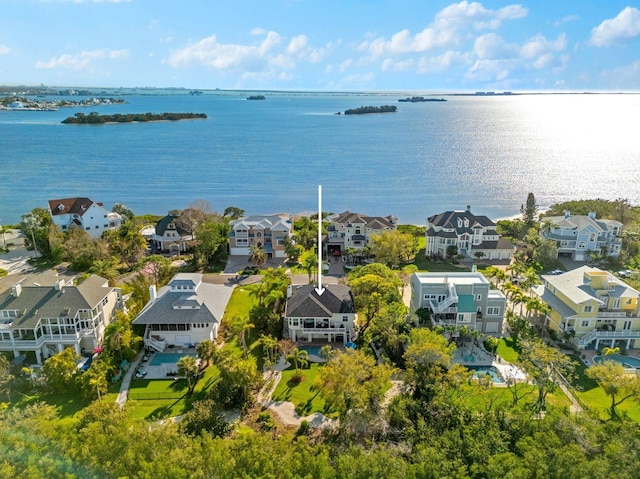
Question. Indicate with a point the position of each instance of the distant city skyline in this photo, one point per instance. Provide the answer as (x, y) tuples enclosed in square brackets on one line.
[(332, 45)]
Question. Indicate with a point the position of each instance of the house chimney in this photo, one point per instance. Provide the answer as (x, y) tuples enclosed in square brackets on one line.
[(59, 284), (16, 290), (592, 215), (152, 293), (468, 210), (289, 291), (567, 214)]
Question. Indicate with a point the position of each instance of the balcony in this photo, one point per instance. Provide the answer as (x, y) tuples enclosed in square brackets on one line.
[(583, 341), (615, 314)]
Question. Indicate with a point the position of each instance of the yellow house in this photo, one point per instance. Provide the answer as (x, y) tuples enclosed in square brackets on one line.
[(593, 306)]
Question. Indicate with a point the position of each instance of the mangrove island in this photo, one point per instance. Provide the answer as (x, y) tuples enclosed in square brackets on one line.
[(371, 109), (419, 99), (93, 117)]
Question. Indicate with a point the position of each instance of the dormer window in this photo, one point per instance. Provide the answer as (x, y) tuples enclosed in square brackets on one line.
[(466, 222), (60, 207), (459, 222)]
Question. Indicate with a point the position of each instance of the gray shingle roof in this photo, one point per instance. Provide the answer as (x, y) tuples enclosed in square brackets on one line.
[(373, 222), (305, 302), (449, 219), (205, 305), (35, 302)]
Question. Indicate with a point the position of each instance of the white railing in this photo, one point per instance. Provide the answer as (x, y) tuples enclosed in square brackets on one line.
[(451, 299), (612, 314), (157, 344), (582, 341)]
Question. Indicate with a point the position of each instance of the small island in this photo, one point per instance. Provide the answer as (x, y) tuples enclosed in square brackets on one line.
[(94, 119), (256, 97), (371, 109), (419, 99)]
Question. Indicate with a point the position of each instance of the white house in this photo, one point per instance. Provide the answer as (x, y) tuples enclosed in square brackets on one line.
[(469, 233), (578, 235), (185, 312), (459, 299), (45, 320), (85, 214), (330, 316), (354, 230), (267, 232)]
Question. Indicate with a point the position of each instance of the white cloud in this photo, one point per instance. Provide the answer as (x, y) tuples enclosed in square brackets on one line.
[(258, 31), (625, 78), (449, 27), (474, 14), (491, 45), (441, 63), (221, 56), (4, 50), (89, 1), (616, 30), (566, 19), (344, 66), (297, 44), (539, 46), (83, 60)]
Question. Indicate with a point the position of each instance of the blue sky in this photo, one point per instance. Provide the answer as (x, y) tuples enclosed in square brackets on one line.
[(342, 45)]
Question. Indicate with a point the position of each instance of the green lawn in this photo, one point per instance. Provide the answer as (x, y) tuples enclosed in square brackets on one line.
[(165, 397), (304, 395), (507, 350), (594, 397), (423, 264), (527, 393)]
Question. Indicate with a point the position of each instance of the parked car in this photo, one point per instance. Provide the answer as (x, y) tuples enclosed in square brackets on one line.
[(624, 273)]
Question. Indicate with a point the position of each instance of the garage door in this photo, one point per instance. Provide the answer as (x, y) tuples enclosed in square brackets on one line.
[(491, 328)]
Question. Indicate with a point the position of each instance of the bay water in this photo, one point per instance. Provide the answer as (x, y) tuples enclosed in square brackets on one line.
[(269, 156)]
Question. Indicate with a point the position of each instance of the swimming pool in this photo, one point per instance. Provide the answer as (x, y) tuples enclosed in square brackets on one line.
[(627, 361), (167, 358), (315, 350), (491, 371)]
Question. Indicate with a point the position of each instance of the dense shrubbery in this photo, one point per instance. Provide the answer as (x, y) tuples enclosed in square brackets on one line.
[(371, 109), (94, 118)]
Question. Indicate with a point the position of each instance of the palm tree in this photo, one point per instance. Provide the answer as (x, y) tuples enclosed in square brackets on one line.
[(188, 367), (206, 351), (104, 268), (299, 358), (3, 230), (258, 256), (310, 263), (239, 327), (326, 352), (271, 348)]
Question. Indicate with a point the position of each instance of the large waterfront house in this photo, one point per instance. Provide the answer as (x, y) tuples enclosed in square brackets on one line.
[(171, 236), (267, 232), (354, 230), (44, 320), (85, 214), (592, 307), (328, 317), (472, 236), (459, 299), (577, 236), (183, 313)]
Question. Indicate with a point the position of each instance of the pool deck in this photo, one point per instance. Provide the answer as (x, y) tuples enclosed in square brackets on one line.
[(472, 355), (161, 371)]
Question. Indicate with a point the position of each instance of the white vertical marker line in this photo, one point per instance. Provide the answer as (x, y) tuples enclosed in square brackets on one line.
[(320, 289)]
